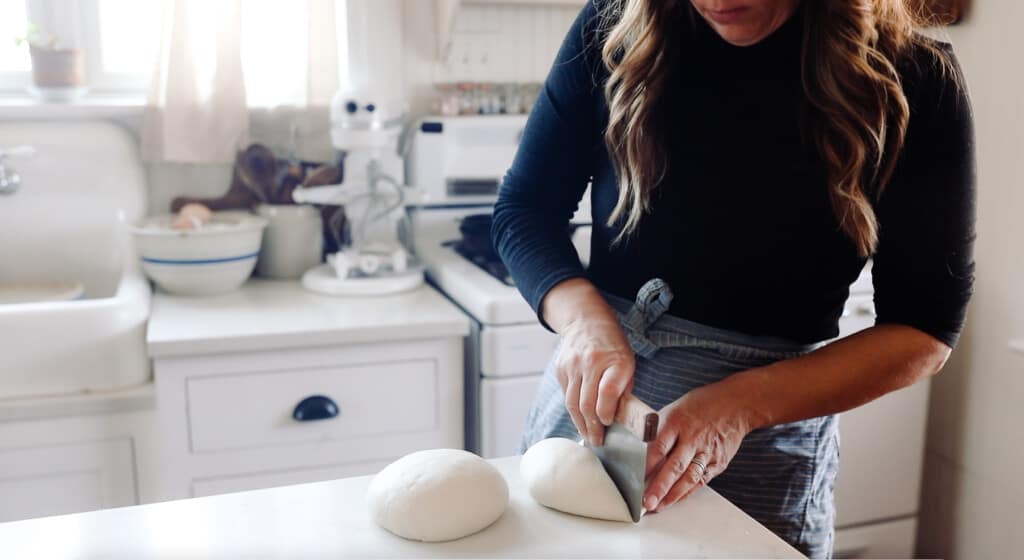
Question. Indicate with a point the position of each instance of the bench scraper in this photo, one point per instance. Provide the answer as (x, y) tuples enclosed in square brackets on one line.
[(624, 453)]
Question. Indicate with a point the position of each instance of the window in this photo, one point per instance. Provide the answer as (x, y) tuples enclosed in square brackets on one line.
[(121, 40), (119, 37), (14, 60), (274, 42), (126, 36)]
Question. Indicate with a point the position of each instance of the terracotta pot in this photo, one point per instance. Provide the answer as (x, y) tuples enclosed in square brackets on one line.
[(60, 68)]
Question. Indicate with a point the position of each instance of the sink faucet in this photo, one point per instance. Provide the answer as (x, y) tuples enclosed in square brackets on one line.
[(10, 181)]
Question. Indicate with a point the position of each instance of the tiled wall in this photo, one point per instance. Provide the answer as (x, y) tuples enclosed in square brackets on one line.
[(490, 43), (505, 43)]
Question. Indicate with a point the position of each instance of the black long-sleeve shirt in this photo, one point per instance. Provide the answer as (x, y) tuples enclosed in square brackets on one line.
[(741, 227)]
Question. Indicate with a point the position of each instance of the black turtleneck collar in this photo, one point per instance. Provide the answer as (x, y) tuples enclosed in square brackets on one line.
[(781, 47)]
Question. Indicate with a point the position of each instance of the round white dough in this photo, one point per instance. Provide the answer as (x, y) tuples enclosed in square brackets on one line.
[(564, 475), (437, 495)]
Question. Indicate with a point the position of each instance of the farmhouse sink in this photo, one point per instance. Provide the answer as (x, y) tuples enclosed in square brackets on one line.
[(66, 225)]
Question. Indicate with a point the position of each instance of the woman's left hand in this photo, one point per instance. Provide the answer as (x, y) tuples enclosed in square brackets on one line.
[(701, 428)]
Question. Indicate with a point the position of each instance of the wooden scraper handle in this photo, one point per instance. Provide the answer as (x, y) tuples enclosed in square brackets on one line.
[(639, 418)]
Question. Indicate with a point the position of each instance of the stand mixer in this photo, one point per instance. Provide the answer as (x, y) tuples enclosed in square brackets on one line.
[(366, 129)]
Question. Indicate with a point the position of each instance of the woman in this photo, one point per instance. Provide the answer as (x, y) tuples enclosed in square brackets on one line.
[(746, 158)]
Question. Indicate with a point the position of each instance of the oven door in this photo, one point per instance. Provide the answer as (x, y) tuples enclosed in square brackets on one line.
[(504, 366), (504, 404)]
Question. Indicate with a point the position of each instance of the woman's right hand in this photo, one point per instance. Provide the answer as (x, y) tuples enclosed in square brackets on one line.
[(595, 364)]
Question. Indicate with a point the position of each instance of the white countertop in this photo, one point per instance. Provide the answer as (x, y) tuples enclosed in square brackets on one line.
[(270, 315), (330, 520), (114, 401)]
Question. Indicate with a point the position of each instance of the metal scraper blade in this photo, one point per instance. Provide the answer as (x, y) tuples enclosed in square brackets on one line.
[(624, 457)]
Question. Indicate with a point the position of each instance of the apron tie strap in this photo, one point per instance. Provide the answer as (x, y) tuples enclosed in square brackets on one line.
[(652, 301)]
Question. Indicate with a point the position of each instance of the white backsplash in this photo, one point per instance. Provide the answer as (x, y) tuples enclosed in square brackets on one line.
[(168, 181), (505, 43), (271, 127)]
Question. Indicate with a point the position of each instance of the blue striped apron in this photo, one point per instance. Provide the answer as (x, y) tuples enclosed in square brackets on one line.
[(783, 476)]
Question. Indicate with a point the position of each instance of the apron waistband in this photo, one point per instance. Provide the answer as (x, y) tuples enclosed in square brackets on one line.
[(649, 328)]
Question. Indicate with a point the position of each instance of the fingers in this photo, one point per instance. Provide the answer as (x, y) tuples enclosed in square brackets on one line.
[(588, 409), (614, 383), (693, 478), (658, 449), (595, 368), (671, 470), (572, 404)]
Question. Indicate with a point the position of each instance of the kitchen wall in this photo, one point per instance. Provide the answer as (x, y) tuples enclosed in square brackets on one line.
[(272, 127), (973, 491), (490, 43)]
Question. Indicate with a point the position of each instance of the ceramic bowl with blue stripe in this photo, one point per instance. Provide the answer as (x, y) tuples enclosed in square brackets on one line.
[(215, 258)]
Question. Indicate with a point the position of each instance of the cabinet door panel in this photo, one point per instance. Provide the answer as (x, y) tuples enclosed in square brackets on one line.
[(881, 456), (60, 479), (893, 539)]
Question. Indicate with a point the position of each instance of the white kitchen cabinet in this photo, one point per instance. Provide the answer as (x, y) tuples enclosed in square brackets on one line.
[(386, 374), (255, 409), (69, 478), (73, 454), (881, 457), (880, 441), (893, 539)]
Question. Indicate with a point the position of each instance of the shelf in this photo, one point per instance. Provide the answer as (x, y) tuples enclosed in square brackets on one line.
[(93, 106)]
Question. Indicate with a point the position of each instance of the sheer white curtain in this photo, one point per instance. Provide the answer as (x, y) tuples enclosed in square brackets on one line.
[(218, 58), (322, 51)]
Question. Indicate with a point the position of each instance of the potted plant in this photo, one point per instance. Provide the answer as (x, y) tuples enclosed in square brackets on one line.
[(58, 72)]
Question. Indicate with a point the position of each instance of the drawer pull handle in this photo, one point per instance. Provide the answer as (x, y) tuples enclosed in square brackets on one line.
[(317, 407)]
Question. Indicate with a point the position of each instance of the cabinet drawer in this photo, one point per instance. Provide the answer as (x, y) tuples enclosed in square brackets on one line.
[(255, 410)]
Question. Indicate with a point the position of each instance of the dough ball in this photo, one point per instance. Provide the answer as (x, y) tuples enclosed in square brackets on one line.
[(192, 216), (563, 475), (437, 495)]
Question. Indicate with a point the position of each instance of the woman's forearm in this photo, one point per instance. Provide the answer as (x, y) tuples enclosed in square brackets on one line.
[(574, 300), (841, 376)]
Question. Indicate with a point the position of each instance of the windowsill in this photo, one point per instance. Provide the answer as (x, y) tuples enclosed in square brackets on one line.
[(269, 125), (20, 105), (16, 105)]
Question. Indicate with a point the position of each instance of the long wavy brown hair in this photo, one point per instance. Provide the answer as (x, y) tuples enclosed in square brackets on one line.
[(858, 112)]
